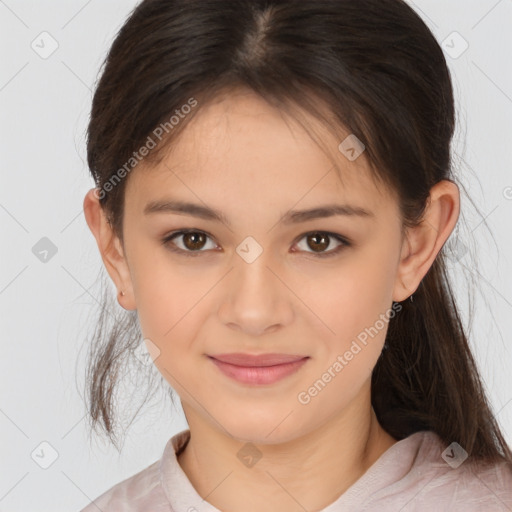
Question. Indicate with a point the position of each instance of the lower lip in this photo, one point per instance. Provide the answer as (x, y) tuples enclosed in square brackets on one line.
[(259, 374)]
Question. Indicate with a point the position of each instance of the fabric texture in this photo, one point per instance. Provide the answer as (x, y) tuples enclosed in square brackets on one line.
[(411, 476)]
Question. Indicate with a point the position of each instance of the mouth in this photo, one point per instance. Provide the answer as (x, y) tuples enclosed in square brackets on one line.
[(260, 369)]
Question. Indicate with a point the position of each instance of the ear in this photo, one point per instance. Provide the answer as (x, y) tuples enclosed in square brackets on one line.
[(422, 243), (110, 247)]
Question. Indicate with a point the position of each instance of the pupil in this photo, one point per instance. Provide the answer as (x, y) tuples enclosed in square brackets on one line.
[(196, 239), (323, 245)]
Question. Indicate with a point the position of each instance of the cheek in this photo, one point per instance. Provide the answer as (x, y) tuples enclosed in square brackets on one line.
[(169, 302), (356, 305), (354, 295)]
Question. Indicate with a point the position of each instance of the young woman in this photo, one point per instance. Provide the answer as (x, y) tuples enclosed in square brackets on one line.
[(273, 196)]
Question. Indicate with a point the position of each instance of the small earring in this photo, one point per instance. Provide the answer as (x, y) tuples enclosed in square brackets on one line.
[(121, 293), (411, 297)]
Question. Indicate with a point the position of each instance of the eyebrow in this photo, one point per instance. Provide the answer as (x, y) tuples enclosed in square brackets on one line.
[(290, 217)]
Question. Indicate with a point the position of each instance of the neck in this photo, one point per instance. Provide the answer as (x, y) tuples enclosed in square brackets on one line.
[(307, 472)]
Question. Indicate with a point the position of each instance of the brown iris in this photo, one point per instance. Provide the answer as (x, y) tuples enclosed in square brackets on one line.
[(321, 240), (194, 241)]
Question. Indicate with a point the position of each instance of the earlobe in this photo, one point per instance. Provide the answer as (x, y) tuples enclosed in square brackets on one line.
[(110, 248), (424, 241)]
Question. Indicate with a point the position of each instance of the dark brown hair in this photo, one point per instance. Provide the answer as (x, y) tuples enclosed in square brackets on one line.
[(381, 74)]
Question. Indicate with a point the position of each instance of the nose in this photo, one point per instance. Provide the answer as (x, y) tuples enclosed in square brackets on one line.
[(255, 298)]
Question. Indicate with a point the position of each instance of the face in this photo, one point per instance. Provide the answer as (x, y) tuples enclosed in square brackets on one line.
[(262, 279)]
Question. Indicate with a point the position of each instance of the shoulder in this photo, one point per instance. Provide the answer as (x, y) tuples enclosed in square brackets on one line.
[(144, 490), (137, 493), (455, 482), (477, 485)]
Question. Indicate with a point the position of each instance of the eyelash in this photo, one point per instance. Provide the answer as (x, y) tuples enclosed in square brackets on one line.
[(175, 234)]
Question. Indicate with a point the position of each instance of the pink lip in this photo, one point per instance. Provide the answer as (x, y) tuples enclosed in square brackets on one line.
[(261, 369)]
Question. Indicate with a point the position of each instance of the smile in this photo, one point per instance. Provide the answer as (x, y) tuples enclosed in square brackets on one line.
[(257, 373)]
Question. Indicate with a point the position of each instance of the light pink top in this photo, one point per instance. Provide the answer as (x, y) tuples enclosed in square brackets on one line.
[(410, 476)]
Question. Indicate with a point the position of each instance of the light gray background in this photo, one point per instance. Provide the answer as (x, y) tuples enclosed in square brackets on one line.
[(45, 306)]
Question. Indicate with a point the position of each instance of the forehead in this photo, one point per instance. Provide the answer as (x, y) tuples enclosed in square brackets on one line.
[(239, 148)]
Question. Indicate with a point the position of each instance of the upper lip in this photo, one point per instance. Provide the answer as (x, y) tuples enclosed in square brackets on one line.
[(239, 359)]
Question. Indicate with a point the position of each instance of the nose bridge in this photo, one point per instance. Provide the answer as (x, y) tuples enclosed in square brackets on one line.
[(253, 272), (256, 299), (253, 279)]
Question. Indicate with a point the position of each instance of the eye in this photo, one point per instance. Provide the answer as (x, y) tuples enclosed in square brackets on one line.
[(192, 242), (320, 240)]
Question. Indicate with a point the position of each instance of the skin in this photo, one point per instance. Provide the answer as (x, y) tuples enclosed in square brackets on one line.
[(240, 157)]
